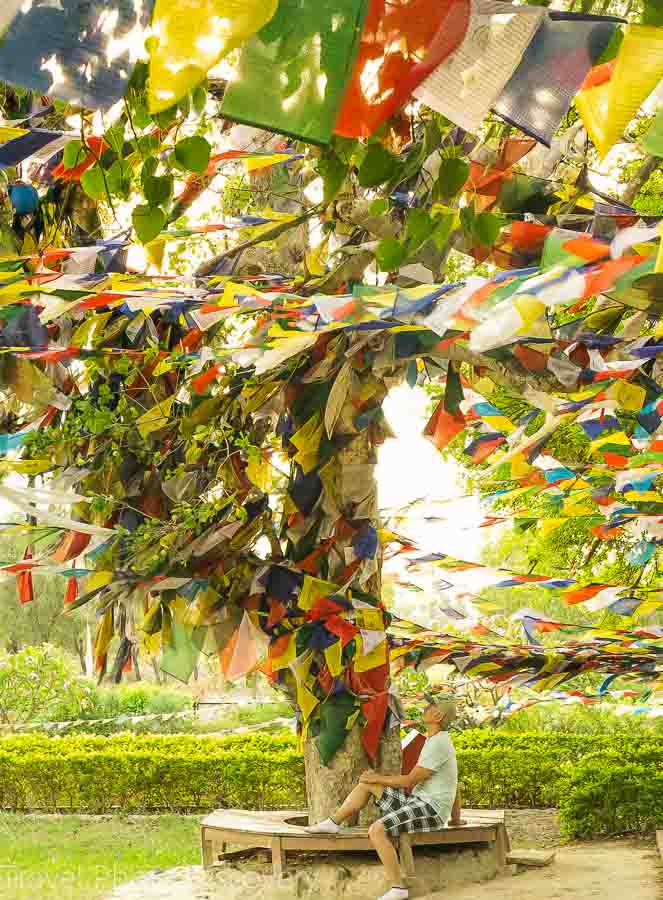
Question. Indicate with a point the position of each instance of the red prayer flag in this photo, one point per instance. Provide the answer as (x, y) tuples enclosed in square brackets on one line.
[(443, 426), (402, 43)]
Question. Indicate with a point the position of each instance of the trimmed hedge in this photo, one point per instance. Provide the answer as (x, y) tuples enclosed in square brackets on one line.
[(612, 792), (97, 774), (602, 785)]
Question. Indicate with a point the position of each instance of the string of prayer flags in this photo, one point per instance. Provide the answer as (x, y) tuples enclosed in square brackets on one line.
[(17, 144), (466, 86), (190, 39), (292, 75), (611, 97), (401, 44), (552, 70), (72, 49)]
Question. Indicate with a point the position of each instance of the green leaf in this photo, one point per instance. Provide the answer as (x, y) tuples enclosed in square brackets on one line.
[(389, 254), (74, 153), (115, 139), (158, 190), (140, 115), (193, 154), (652, 140), (119, 178), (444, 224), (146, 144), (418, 228), (149, 169), (184, 106), (347, 149), (333, 172), (652, 13), (93, 182), (467, 217), (487, 228), (167, 117), (453, 175), (378, 207), (148, 222), (379, 165), (199, 98)]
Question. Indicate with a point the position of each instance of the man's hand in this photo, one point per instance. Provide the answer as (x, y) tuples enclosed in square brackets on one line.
[(369, 777)]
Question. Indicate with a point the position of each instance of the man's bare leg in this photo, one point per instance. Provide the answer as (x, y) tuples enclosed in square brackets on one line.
[(354, 803), (387, 853), (356, 800)]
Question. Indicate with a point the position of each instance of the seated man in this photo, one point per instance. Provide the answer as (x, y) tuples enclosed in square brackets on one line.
[(423, 800)]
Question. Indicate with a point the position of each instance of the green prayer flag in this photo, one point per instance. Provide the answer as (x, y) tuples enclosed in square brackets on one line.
[(334, 715), (292, 75), (179, 657)]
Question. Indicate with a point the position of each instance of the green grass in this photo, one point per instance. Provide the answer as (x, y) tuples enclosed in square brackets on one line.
[(79, 858)]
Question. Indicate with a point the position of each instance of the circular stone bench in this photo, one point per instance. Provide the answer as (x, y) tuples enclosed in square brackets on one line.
[(280, 831)]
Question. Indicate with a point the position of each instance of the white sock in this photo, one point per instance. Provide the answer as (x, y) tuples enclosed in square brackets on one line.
[(396, 893), (328, 826)]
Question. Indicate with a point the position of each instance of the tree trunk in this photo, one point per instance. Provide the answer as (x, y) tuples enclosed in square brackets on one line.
[(135, 659), (80, 648), (355, 494), (155, 669), (328, 786)]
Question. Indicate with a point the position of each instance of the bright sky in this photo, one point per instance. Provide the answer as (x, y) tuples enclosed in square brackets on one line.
[(410, 468)]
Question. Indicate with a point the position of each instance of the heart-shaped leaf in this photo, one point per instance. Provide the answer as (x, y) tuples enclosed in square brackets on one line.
[(148, 222), (193, 154)]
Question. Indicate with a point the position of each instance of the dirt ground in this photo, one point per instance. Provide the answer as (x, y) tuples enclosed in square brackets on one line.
[(619, 869)]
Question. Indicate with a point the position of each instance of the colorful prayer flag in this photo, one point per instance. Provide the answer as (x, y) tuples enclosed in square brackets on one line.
[(292, 75), (190, 38), (73, 49), (466, 85), (540, 91), (401, 44)]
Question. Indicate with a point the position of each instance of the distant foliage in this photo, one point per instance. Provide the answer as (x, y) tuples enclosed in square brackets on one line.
[(36, 681)]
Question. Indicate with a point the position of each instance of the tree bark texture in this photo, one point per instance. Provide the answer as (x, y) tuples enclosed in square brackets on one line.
[(328, 786), (354, 499)]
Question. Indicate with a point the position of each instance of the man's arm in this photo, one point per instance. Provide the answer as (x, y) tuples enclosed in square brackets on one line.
[(416, 776)]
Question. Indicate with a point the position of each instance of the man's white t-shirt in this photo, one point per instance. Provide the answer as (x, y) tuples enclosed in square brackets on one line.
[(439, 790)]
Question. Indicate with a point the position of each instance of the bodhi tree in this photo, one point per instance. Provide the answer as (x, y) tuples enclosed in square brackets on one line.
[(218, 434)]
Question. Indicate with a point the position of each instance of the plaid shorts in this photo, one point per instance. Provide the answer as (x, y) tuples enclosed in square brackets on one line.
[(404, 812)]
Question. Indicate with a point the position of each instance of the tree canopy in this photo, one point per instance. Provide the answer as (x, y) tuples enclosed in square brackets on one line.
[(211, 431)]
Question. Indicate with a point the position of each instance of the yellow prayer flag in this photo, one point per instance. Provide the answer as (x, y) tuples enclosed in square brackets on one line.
[(377, 656), (287, 657), (307, 441), (154, 418), (628, 396), (607, 109), (314, 589), (334, 658), (192, 36), (7, 133), (259, 471), (659, 255)]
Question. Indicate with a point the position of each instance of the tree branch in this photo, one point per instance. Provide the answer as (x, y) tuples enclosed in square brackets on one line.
[(208, 268), (647, 168)]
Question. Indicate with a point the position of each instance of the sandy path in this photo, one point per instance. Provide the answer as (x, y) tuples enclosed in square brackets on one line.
[(611, 870)]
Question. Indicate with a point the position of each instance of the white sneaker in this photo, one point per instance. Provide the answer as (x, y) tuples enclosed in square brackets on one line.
[(395, 893), (327, 826)]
